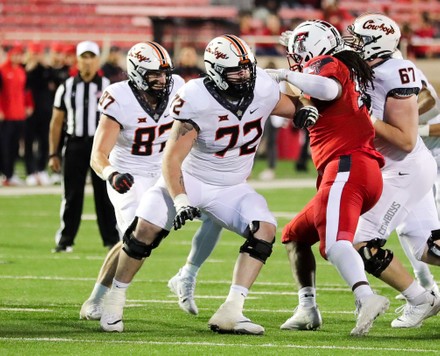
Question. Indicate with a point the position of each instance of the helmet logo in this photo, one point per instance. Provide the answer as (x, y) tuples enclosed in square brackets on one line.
[(370, 25), (217, 54), (140, 57), (299, 42)]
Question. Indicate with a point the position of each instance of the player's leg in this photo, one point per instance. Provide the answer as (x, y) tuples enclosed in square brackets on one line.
[(298, 237), (125, 210), (155, 215), (92, 307), (383, 264), (351, 185), (184, 282), (246, 212), (421, 269), (420, 223)]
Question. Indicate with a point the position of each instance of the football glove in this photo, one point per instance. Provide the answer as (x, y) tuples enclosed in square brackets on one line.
[(305, 117), (185, 213), (284, 38), (121, 182), (278, 74)]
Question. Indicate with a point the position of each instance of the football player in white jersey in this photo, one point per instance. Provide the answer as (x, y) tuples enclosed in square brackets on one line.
[(429, 130), (218, 126), (407, 203), (128, 146)]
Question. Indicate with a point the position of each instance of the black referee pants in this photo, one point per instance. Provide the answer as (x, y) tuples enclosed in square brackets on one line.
[(76, 165)]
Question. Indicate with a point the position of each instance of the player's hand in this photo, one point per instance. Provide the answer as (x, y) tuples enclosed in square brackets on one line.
[(284, 38), (185, 213), (278, 74), (305, 117), (121, 182)]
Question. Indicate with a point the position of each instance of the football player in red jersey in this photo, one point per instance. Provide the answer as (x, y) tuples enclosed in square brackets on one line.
[(349, 181)]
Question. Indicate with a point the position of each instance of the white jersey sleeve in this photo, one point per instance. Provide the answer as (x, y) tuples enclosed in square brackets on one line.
[(397, 78), (144, 132), (228, 136)]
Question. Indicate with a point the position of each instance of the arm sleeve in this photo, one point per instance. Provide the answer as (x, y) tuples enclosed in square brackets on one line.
[(318, 87)]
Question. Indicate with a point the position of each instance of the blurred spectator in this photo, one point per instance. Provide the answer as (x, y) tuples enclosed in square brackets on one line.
[(337, 15), (59, 73), (246, 24), (405, 40), (112, 68), (314, 4), (57, 63), (15, 106), (273, 28), (69, 51), (187, 64), (264, 8), (36, 142), (425, 31), (270, 139)]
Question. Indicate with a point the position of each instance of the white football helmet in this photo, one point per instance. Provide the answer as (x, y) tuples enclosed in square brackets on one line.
[(311, 39), (226, 54), (373, 36), (147, 58)]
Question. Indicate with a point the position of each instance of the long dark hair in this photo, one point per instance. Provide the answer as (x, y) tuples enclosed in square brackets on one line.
[(358, 68)]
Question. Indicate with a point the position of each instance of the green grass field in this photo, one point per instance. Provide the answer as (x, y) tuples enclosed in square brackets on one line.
[(41, 294)]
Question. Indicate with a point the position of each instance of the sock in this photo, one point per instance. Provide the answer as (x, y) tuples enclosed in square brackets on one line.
[(421, 269), (350, 266), (237, 295), (362, 291), (425, 278), (415, 294), (307, 297), (119, 286), (98, 291), (189, 270)]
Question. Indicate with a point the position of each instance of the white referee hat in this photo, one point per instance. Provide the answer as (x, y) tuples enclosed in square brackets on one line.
[(87, 46)]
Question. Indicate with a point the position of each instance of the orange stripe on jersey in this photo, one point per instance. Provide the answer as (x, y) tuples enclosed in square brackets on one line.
[(238, 45), (160, 51)]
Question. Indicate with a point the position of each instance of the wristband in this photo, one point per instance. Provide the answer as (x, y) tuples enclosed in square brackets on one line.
[(107, 172), (53, 155), (373, 119), (180, 201), (424, 130)]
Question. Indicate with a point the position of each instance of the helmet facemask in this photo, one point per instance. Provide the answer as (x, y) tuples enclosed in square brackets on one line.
[(373, 36), (149, 68), (311, 39), (231, 65), (240, 80)]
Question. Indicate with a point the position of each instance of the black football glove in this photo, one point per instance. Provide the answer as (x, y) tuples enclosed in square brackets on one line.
[(305, 117), (121, 182), (185, 213)]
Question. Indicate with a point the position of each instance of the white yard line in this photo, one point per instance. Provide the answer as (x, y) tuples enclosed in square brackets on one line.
[(211, 344), (56, 189)]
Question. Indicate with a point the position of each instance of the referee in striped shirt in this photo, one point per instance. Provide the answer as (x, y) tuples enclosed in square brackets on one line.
[(76, 108)]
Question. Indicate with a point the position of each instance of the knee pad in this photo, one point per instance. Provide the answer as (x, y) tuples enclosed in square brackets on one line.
[(377, 263), (137, 249), (433, 248), (256, 248)]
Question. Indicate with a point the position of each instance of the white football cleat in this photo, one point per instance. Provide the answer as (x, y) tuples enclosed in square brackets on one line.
[(228, 320), (368, 309), (304, 318), (112, 311), (91, 310), (413, 315), (184, 288)]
